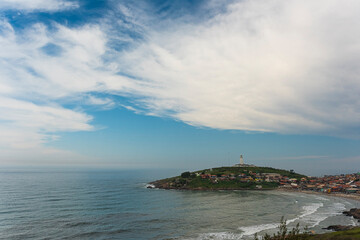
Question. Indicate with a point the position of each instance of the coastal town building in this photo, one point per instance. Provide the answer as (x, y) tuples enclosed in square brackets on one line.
[(348, 184)]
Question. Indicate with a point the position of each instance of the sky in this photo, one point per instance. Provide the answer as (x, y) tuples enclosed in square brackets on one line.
[(180, 84)]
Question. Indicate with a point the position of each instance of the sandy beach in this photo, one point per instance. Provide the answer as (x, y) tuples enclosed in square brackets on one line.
[(341, 195)]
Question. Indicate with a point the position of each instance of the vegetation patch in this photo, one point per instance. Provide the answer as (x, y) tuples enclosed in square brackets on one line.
[(294, 234)]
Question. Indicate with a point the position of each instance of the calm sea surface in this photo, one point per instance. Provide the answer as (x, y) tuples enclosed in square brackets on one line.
[(117, 205)]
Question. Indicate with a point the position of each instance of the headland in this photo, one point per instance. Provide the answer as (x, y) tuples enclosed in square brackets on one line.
[(249, 177), (230, 178)]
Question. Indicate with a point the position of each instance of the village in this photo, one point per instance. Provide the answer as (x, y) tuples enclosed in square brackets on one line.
[(344, 183)]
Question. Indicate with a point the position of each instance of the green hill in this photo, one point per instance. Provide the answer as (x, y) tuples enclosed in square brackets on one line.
[(347, 233), (353, 234), (229, 178)]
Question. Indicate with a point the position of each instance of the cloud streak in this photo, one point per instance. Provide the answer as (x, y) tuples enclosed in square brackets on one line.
[(310, 157), (44, 69), (38, 5), (262, 66), (34, 83)]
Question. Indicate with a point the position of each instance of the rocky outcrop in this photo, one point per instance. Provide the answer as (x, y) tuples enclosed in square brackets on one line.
[(354, 212), (339, 227)]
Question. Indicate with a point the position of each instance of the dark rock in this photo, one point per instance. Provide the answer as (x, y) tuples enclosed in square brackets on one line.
[(354, 212), (339, 227)]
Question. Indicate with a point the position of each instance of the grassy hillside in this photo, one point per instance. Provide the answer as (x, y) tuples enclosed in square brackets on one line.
[(225, 178), (233, 184), (294, 234), (353, 234)]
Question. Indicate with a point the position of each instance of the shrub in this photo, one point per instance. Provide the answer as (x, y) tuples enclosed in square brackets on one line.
[(185, 174), (284, 234)]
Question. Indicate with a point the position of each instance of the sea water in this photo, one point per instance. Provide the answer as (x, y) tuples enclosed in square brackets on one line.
[(88, 204)]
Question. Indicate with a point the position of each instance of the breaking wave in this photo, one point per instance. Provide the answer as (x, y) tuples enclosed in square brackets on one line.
[(307, 211), (220, 236)]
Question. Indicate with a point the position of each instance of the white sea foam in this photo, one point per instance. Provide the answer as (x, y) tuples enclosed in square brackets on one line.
[(310, 209), (353, 222), (251, 230), (307, 210), (149, 186), (331, 210), (322, 199), (219, 236), (312, 215)]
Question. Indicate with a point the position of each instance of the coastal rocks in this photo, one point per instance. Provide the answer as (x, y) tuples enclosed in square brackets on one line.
[(354, 212), (339, 228)]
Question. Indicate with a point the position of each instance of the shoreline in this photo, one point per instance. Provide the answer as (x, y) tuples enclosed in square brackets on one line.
[(157, 185), (216, 189), (355, 197)]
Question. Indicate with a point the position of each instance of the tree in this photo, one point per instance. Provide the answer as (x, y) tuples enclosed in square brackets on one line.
[(185, 174)]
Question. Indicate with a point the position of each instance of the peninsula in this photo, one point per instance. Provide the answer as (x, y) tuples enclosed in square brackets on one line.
[(250, 177), (245, 177)]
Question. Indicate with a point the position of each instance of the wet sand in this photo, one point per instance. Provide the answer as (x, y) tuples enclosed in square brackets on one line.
[(342, 195)]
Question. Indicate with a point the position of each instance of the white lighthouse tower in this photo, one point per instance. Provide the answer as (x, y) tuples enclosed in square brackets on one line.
[(242, 164), (241, 160)]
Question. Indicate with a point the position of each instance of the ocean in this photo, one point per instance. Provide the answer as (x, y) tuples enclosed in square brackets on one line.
[(87, 204)]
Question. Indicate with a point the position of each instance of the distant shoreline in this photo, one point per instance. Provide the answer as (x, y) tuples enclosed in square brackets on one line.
[(355, 197), (215, 189)]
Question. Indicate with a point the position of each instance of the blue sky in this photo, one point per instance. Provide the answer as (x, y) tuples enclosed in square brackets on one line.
[(180, 84)]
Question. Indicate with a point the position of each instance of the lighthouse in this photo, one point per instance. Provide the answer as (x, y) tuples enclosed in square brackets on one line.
[(242, 164)]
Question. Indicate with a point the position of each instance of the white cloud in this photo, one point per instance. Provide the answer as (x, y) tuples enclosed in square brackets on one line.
[(42, 5), (75, 67), (310, 157), (41, 69), (279, 66), (34, 83), (25, 125), (106, 103), (45, 118)]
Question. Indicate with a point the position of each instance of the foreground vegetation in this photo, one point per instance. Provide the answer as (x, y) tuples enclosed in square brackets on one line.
[(353, 234), (294, 234)]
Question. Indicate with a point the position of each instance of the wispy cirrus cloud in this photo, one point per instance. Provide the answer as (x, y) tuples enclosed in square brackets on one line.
[(269, 66), (44, 69), (38, 5), (36, 79), (45, 117), (310, 157)]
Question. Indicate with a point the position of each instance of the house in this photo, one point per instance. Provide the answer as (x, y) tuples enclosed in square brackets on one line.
[(272, 175), (351, 190)]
